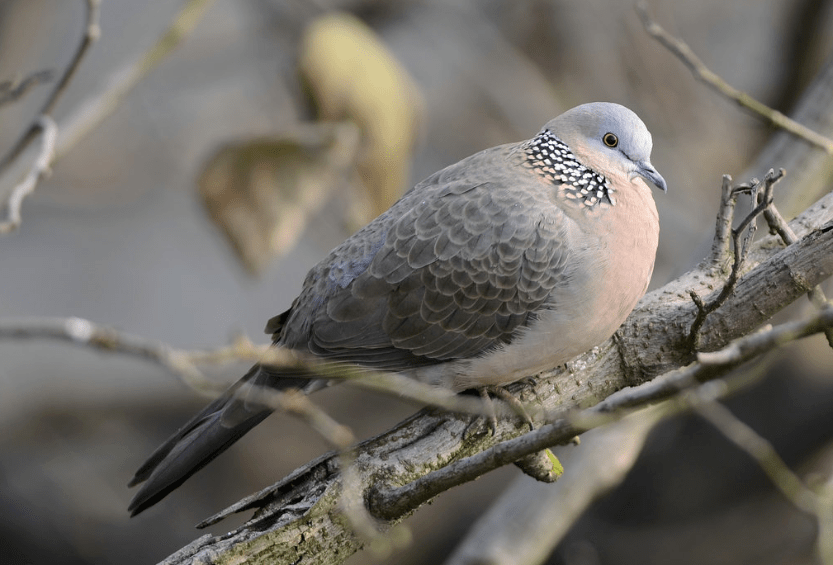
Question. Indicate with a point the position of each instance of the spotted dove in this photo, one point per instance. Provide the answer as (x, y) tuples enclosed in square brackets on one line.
[(511, 261)]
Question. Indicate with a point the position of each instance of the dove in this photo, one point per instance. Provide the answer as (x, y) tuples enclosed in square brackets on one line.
[(511, 261)]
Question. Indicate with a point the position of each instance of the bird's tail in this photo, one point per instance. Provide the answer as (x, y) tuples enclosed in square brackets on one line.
[(203, 438)]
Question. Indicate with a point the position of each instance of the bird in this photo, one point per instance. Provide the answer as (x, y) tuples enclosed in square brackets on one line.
[(509, 262)]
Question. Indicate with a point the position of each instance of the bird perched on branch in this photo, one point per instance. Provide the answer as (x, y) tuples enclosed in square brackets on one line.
[(509, 262)]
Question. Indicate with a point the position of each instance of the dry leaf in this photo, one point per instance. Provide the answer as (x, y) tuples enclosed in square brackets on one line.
[(262, 192), (352, 75)]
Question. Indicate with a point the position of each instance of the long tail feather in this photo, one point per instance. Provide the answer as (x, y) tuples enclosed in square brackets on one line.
[(203, 438)]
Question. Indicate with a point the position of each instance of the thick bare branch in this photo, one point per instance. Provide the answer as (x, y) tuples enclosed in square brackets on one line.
[(648, 345), (395, 502), (781, 227)]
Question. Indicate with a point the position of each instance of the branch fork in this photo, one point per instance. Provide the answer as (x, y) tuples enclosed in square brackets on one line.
[(762, 200)]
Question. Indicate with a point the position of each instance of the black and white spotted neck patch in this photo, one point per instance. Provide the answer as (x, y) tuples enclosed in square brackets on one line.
[(551, 158)]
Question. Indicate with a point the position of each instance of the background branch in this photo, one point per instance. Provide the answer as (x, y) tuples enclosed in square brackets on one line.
[(791, 486), (13, 90), (705, 75), (39, 169), (88, 334), (91, 33), (95, 109)]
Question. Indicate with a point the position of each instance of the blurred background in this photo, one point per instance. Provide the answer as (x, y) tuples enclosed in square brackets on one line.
[(194, 210)]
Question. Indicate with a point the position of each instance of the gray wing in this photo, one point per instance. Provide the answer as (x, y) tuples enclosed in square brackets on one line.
[(452, 270)]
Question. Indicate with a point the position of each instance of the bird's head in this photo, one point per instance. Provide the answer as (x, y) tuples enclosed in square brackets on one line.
[(609, 139)]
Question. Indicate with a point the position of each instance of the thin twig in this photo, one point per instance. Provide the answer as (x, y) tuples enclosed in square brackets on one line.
[(749, 225), (779, 225), (725, 218), (184, 363), (784, 479), (87, 334), (763, 452), (741, 247), (684, 53), (299, 404), (13, 90), (40, 168), (91, 33), (95, 109), (390, 383)]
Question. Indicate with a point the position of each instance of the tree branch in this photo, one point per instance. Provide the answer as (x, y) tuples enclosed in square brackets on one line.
[(85, 333), (94, 110), (741, 247), (392, 503), (40, 168), (15, 89), (546, 512), (91, 34), (91, 112), (779, 225), (46, 125), (817, 504), (649, 344), (702, 73)]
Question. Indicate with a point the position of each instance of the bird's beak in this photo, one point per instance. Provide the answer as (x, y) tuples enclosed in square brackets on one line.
[(647, 171)]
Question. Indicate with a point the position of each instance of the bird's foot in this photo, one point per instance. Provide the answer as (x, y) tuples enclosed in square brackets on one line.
[(476, 427)]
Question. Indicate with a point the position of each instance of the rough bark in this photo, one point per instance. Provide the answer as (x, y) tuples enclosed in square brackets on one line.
[(299, 517)]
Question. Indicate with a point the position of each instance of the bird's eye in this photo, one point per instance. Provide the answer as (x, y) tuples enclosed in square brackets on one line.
[(610, 140)]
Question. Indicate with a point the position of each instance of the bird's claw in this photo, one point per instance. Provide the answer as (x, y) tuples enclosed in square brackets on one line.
[(475, 428)]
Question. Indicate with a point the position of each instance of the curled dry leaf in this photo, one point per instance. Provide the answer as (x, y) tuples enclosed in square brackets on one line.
[(262, 192), (352, 75)]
